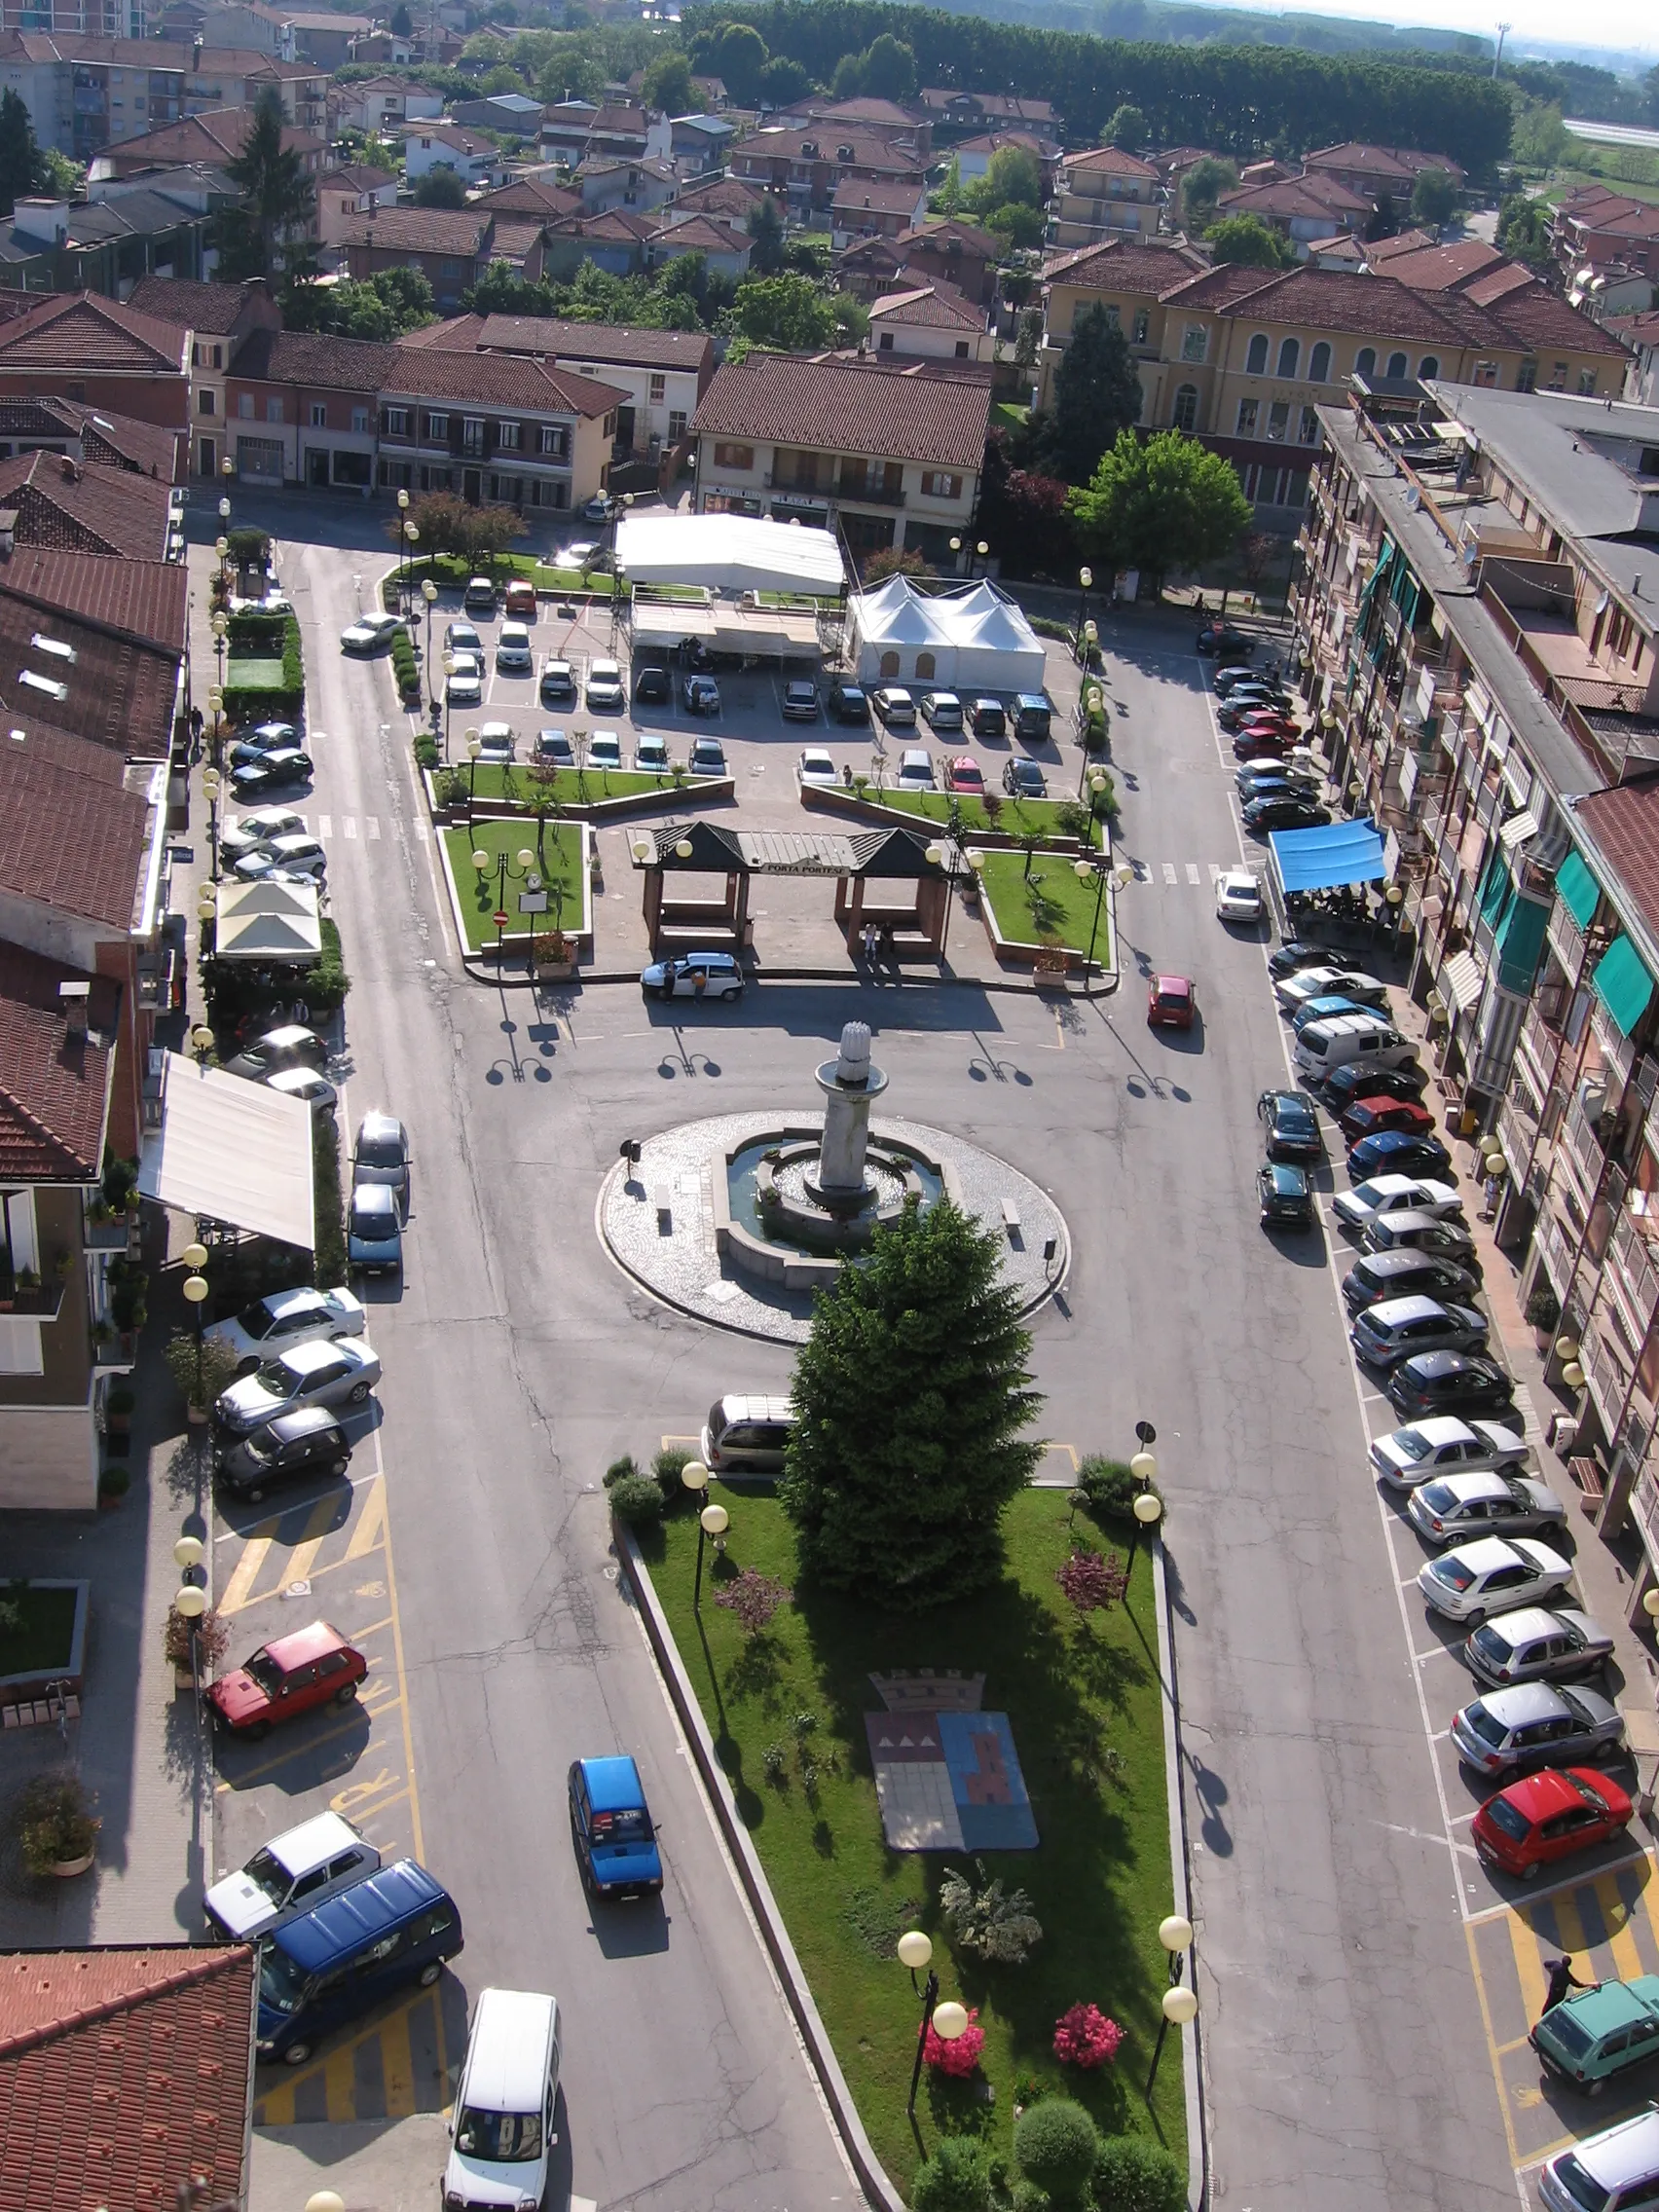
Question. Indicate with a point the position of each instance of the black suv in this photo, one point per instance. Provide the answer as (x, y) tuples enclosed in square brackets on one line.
[(652, 685), (1284, 1196), (848, 703), (1291, 1124)]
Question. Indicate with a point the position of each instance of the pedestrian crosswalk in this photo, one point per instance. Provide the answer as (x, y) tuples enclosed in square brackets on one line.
[(1175, 875), (352, 827)]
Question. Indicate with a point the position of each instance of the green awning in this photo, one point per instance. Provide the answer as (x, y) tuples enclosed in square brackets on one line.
[(1520, 940), (1496, 889), (1578, 889), (1623, 984)]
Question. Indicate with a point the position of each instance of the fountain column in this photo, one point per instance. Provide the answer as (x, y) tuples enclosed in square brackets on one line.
[(850, 1085)]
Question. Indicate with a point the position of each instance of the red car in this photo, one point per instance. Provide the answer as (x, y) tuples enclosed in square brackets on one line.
[(315, 1666), (1280, 725), (1370, 1117), (1171, 1001), (1547, 1817), (964, 775), (1257, 744), (518, 602)]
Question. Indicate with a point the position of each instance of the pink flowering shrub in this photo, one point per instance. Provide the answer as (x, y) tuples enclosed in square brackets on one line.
[(1085, 2037), (1091, 1581), (958, 2058)]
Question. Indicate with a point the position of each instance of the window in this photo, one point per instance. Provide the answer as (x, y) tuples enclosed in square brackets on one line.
[(1486, 375), (1140, 327), (937, 484), (1308, 430), (676, 426), (1558, 377), (1586, 383), (449, 268), (734, 456), (394, 422), (1246, 427), (1185, 412), (1365, 361), (962, 349), (1195, 342), (884, 344), (472, 433), (218, 356), (1112, 312), (245, 405), (273, 410), (319, 414), (553, 441), (1319, 364), (1398, 366), (437, 429), (659, 390), (926, 665), (204, 403), (1526, 377), (509, 435), (1290, 356), (1429, 366), (360, 420), (1278, 420), (1256, 359)]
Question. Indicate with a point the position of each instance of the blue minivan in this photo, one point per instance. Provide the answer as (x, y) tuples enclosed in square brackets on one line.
[(332, 1965)]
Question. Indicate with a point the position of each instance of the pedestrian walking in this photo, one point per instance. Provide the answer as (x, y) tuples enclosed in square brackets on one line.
[(869, 942), (1562, 1980)]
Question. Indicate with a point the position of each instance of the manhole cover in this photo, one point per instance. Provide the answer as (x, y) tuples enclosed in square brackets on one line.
[(300, 1589)]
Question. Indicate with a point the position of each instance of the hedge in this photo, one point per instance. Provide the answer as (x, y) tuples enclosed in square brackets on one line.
[(404, 667), (273, 633)]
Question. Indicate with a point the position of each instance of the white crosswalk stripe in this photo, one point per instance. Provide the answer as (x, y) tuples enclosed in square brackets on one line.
[(1216, 875), (1530, 1426), (371, 826), (421, 831), (324, 826), (1169, 875), (348, 826), (1192, 875)]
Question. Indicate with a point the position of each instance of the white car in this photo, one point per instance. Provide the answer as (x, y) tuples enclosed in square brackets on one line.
[(340, 1373), (650, 756), (915, 769), (895, 705), (817, 767), (1396, 1194), (1493, 1574), (305, 1084), (288, 1318), (464, 684), (1443, 1444), (297, 854), (604, 750), (241, 832), (576, 555), (1238, 896), (513, 654), (1295, 991), (290, 1874), (369, 633), (606, 692), (495, 744)]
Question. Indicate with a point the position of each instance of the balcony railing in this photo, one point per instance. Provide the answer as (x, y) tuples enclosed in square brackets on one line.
[(1518, 1133), (1609, 1382), (1558, 1247), (1634, 1267), (1579, 1151), (1565, 938)]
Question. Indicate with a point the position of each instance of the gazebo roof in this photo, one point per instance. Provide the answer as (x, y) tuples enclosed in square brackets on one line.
[(717, 851)]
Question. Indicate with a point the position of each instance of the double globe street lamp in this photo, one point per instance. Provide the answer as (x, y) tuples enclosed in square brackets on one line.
[(948, 2021), (713, 1522)]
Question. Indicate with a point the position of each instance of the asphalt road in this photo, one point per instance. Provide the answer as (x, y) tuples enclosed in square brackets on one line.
[(1345, 2056)]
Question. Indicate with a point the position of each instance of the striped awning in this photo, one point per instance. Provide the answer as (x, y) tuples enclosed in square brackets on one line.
[(1463, 982), (1518, 830)]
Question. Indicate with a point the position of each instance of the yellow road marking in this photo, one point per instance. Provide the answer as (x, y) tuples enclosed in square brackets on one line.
[(1622, 1941), (370, 1531), (340, 2083), (1491, 2040), (1528, 1965), (402, 1681), (276, 2109), (397, 2067), (247, 1570), (303, 1557), (374, 1628)]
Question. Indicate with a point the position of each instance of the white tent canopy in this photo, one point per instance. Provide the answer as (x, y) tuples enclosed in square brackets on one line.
[(972, 639), (269, 921), (728, 553), (232, 1149)]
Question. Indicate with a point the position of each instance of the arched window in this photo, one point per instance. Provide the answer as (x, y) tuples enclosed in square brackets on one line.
[(926, 665), (1319, 364), (1396, 365), (889, 664), (1186, 409), (1290, 356), (1256, 360), (1365, 361), (1429, 366)]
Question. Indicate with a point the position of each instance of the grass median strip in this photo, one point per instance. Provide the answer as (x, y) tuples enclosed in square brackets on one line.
[(558, 860), (1009, 817), (1047, 905)]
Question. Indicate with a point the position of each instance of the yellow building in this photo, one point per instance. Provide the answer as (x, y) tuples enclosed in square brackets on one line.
[(1101, 195)]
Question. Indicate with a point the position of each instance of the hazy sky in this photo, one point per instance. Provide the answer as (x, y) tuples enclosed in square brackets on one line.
[(1630, 25)]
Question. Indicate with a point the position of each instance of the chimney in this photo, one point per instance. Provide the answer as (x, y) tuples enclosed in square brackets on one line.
[(71, 470), (73, 998), (8, 532)]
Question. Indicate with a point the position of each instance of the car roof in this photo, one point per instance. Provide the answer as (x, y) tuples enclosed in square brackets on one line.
[(313, 1842), (378, 1127), (1173, 986), (1440, 1428), (1621, 2154), (1486, 1484), (336, 1929), (1614, 2005), (1287, 1178), (304, 1420), (1413, 1307), (1538, 1795), (613, 1783), (298, 1359), (511, 2031), (801, 683), (1523, 1703), (1484, 1555), (304, 1645)]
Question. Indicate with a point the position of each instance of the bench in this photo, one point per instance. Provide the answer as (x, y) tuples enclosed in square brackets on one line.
[(1588, 1476), (1011, 1217), (662, 1199)]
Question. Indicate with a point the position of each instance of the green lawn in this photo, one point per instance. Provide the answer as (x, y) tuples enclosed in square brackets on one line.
[(560, 864), (1050, 904), (1076, 1689), (448, 569), (247, 672), (39, 1641), (1005, 416), (571, 787), (1014, 817)]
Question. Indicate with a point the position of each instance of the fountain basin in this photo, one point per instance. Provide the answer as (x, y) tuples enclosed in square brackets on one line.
[(792, 1232)]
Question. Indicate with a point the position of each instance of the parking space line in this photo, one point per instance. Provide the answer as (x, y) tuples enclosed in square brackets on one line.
[(340, 2083), (402, 1676), (397, 2064), (370, 1531), (245, 1572), (1528, 1969), (1491, 2039)]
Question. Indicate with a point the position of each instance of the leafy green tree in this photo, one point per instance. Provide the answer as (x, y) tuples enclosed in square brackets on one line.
[(667, 84), (911, 1393), (502, 290), (888, 69), (1028, 337), (1011, 176), (401, 27), (848, 81), (766, 229), (1434, 198), (738, 57), (1250, 243), (783, 81), (1383, 221), (1126, 129), (852, 318), (381, 308), (58, 175), (1020, 228), (786, 312), (1523, 231), (19, 157), (1200, 188), (1097, 395), (266, 234), (440, 187), (951, 195), (1158, 504), (1536, 138)]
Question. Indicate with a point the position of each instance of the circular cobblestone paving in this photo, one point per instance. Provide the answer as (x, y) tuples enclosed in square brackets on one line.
[(658, 1220)]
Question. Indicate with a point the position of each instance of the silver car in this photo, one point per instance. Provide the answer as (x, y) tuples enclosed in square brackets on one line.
[(381, 1154), (341, 1372), (1493, 1574), (1443, 1445), (1295, 991), (1394, 1328), (241, 832), (298, 854), (1453, 1507), (1395, 1194), (1540, 1643), (1534, 1724)]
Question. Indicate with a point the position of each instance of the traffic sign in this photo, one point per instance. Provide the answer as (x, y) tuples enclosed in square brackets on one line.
[(500, 917)]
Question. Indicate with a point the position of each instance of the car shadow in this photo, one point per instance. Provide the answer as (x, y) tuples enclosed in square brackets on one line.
[(301, 1757), (635, 1930), (1305, 1247), (297, 1500)]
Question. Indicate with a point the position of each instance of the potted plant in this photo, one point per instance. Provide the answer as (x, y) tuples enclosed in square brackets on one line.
[(57, 1829), (200, 1369), (554, 953), (212, 1641), (114, 1483), (118, 1411), (1544, 1312)]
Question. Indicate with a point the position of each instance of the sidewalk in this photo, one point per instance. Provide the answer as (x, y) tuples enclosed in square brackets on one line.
[(375, 2165)]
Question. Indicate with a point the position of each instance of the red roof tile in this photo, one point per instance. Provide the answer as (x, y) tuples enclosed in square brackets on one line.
[(1295, 196), (967, 237), (144, 601), (1625, 824), (1334, 299), (530, 196), (123, 2072), (704, 234), (1404, 161), (1109, 161), (839, 406), (189, 306), (1498, 284), (497, 380), (54, 1097), (727, 196), (77, 330), (72, 508), (939, 307), (72, 835), (116, 690), (604, 341), (1119, 267), (856, 196), (329, 363), (108, 439), (1537, 318), (1443, 268), (459, 231)]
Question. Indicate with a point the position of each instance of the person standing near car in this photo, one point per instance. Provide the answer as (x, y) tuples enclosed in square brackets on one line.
[(1562, 1980)]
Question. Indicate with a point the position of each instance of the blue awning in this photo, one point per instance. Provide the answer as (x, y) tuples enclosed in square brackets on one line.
[(1319, 860)]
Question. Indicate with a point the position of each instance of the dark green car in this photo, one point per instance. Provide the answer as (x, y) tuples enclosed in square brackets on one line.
[(1286, 1195), (1597, 2033)]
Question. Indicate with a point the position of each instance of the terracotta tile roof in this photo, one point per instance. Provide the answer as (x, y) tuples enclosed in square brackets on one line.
[(1642, 222), (515, 237), (703, 233), (1625, 824), (1296, 196), (54, 1092), (461, 233), (114, 441), (1404, 161), (456, 334), (1537, 320), (146, 601), (601, 342), (118, 692), (993, 142), (123, 2072), (356, 177), (77, 330), (73, 508), (1498, 284), (1344, 244), (1332, 299), (1380, 251), (1443, 268), (451, 134), (213, 134), (864, 195), (530, 196), (185, 305), (832, 144), (1109, 161), (1218, 288), (1119, 267), (71, 835), (497, 380), (727, 196), (1636, 329), (618, 225), (900, 364), (329, 363), (967, 237), (862, 110), (935, 307), (839, 406)]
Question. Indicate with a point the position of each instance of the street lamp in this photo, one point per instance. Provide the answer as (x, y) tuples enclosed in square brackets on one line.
[(402, 549), (915, 1950), (221, 546), (449, 671), (1083, 869), (945, 857), (220, 627), (694, 1476), (524, 872), (215, 722), (201, 1037), (950, 2021), (713, 1523), (1084, 584), (210, 785), (429, 593), (474, 745), (412, 538), (1148, 1512), (195, 1257), (1091, 642), (1180, 2004)]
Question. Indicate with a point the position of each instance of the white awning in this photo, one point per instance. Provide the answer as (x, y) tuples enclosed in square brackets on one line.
[(1518, 830), (1464, 979), (232, 1149), (269, 921), (727, 553)]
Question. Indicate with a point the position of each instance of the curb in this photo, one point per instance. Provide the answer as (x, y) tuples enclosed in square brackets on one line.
[(1110, 980), (1191, 2056), (871, 2175)]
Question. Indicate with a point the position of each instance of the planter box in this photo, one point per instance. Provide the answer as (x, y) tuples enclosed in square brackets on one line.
[(17, 1687), (667, 798)]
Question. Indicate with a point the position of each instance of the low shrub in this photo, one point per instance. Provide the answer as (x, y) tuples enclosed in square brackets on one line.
[(212, 1638), (1133, 2175), (620, 1470), (327, 983), (637, 1501), (959, 2057), (55, 1822), (425, 750), (1056, 2146), (957, 2178), (114, 1482), (328, 1203), (1085, 2038), (1109, 1487), (668, 1462), (405, 669), (988, 1922)]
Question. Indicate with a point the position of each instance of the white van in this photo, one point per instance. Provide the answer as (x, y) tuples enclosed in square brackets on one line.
[(747, 1435), (291, 1873), (502, 2130), (1327, 1045), (1615, 2171)]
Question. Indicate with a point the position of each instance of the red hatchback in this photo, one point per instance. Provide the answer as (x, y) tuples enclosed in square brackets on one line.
[(1547, 1817), (315, 1666), (1370, 1117), (1170, 1002), (1256, 744), (965, 775)]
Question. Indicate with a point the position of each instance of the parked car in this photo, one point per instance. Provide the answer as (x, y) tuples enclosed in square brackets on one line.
[(706, 756), (915, 769), (290, 1874), (463, 638), (600, 508), (1555, 1644), (479, 597), (603, 749), (1291, 1124), (514, 653), (965, 775), (1548, 1817), (1294, 991), (381, 1152), (503, 2132), (986, 719), (652, 686), (1450, 1383), (1265, 815), (1368, 1077), (496, 745), (1284, 1196), (293, 859), (1329, 1005), (1216, 641), (464, 685), (334, 1964), (374, 1228), (695, 976), (293, 1447), (1597, 2036), (1616, 2168), (293, 1675), (1228, 675), (1242, 712), (370, 633), (292, 1045), (274, 773), (554, 747), (1171, 1001), (343, 1370), (254, 744), (1395, 1194), (650, 756), (800, 700), (1393, 1329), (895, 705), (1492, 1574), (1397, 1152), (1023, 779), (1263, 744), (1442, 1444), (1452, 1507), (519, 600), (817, 767), (1271, 780), (1536, 1725), (581, 554), (943, 709), (307, 1085), (700, 695), (558, 680), (610, 1828), (1371, 1117), (848, 703), (240, 833), (1033, 716), (1236, 683), (1378, 1275), (286, 1318), (605, 693), (1323, 1047)]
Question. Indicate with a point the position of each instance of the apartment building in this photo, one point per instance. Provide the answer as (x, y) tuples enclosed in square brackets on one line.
[(97, 353), (212, 320), (951, 111), (384, 104), (804, 167), (862, 210), (890, 456), (108, 243), (305, 409), (954, 253), (1303, 210), (84, 93), (211, 138), (1103, 194), (450, 247), (1477, 624), (908, 126), (475, 158), (932, 323), (1378, 171), (496, 427)]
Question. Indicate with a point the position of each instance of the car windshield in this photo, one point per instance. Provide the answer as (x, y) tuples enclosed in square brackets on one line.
[(264, 1670), (509, 2137), (1480, 1722), (1494, 1647), (1583, 2187), (1412, 1444), (1508, 1820), (267, 1876), (257, 1452), (631, 1825), (281, 1984), (256, 1320), (276, 1378), (380, 1152), (1452, 1573), (1574, 2038)]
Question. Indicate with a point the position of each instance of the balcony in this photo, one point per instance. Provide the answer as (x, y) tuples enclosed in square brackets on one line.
[(868, 494), (1578, 1148), (1610, 1381), (1518, 1133), (1633, 1268), (1558, 1246), (1536, 1049), (1565, 937), (34, 1300)]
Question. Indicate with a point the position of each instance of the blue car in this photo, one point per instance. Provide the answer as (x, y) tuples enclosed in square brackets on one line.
[(1326, 1008), (610, 1828), (374, 1230), (1396, 1152)]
